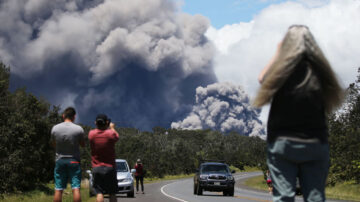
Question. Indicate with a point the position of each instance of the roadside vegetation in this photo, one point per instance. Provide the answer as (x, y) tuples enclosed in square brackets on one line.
[(27, 159), (347, 190), (343, 191), (45, 193), (167, 177), (257, 182)]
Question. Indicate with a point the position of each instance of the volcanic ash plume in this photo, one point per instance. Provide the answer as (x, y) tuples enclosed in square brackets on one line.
[(223, 107), (139, 61)]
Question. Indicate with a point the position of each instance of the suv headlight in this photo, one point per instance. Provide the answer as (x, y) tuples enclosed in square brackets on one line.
[(230, 177), (203, 177)]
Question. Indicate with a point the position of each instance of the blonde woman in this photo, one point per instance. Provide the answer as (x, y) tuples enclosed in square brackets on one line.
[(302, 89)]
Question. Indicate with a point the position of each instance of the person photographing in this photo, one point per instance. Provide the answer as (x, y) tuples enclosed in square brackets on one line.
[(102, 143)]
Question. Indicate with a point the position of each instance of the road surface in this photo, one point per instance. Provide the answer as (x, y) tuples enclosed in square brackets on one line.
[(182, 191)]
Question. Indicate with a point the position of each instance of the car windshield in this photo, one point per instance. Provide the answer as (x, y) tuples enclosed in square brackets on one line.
[(214, 168), (121, 167)]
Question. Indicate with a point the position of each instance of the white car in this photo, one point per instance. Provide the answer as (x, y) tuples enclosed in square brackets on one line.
[(124, 177)]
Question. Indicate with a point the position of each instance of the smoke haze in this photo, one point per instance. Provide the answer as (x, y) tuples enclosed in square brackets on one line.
[(224, 107), (138, 61)]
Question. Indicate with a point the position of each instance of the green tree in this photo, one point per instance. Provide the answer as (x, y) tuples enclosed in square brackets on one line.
[(26, 158), (344, 137)]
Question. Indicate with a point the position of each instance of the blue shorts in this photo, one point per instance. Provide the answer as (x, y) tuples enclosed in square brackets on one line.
[(67, 169)]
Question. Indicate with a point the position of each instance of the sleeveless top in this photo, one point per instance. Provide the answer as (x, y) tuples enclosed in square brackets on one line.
[(297, 111)]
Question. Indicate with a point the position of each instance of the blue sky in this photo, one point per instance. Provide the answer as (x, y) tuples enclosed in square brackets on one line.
[(222, 12)]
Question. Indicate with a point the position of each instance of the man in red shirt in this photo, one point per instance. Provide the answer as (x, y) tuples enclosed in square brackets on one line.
[(102, 143)]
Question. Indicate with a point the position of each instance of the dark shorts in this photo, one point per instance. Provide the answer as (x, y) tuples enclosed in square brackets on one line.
[(289, 159), (67, 169), (104, 180)]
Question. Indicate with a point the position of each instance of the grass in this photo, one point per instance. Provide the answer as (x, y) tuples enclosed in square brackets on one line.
[(250, 169), (45, 194), (167, 177), (341, 191), (257, 182), (344, 191)]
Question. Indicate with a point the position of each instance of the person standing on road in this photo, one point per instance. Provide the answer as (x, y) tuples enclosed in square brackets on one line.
[(66, 138), (102, 143), (139, 175), (269, 182), (302, 89)]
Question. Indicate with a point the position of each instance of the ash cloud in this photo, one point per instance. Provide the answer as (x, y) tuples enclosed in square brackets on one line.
[(224, 107), (139, 61)]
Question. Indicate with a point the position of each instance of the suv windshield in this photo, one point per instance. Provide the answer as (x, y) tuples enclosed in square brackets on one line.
[(121, 167), (214, 168)]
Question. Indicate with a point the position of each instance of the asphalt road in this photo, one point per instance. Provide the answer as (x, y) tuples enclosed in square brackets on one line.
[(182, 191), (152, 194)]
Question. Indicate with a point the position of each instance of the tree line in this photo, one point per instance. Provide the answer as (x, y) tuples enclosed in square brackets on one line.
[(171, 151), (27, 158)]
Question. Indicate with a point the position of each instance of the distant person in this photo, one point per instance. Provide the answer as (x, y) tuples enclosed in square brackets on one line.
[(66, 138), (269, 182), (102, 143), (302, 89), (139, 176)]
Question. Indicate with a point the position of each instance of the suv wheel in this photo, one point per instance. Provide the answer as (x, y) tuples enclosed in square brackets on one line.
[(130, 194), (231, 192)]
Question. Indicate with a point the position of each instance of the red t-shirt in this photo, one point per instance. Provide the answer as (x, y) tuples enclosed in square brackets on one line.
[(102, 144)]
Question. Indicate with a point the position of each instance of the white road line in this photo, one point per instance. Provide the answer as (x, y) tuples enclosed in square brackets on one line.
[(173, 197)]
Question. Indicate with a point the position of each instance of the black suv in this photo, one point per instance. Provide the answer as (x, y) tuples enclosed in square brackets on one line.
[(214, 176)]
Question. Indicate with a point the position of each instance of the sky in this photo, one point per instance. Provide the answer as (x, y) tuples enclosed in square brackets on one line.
[(226, 12), (170, 63), (246, 32)]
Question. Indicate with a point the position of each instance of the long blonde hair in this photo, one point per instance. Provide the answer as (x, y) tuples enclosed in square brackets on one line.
[(299, 45)]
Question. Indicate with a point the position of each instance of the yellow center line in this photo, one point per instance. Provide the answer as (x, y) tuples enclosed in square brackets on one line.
[(253, 199)]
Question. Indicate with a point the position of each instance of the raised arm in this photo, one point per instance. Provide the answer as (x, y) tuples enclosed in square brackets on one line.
[(112, 127), (267, 67)]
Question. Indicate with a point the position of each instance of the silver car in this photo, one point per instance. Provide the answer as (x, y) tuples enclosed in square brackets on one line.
[(124, 178)]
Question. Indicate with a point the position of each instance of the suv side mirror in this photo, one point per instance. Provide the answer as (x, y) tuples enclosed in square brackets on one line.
[(133, 171), (233, 171)]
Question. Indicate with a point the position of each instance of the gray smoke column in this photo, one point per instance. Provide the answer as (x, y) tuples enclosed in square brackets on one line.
[(139, 61), (224, 107)]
